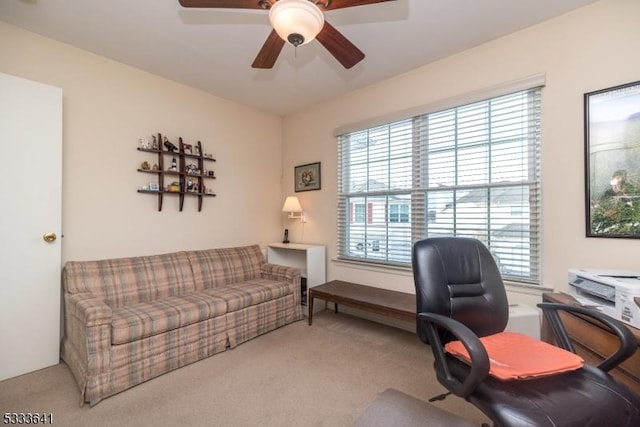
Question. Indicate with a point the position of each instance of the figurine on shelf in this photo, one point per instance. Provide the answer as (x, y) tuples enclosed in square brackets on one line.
[(154, 143), (192, 185), (155, 167), (145, 166), (169, 146), (174, 165), (143, 143)]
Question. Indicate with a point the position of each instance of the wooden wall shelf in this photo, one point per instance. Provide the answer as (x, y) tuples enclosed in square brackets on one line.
[(187, 183)]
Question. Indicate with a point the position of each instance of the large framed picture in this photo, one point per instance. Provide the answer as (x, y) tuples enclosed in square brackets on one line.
[(612, 161), (307, 177)]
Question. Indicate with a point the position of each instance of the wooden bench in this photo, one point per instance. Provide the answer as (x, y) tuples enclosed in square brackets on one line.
[(399, 305)]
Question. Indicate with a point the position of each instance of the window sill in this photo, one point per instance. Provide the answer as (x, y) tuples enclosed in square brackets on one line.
[(370, 266), (525, 288)]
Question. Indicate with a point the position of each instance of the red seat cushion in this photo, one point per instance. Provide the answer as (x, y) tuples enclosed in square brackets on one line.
[(517, 356)]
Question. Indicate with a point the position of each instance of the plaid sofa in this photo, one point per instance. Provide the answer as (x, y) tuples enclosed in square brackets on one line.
[(128, 320)]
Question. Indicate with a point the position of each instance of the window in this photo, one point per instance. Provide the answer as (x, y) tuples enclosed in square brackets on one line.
[(359, 212), (399, 213), (472, 170)]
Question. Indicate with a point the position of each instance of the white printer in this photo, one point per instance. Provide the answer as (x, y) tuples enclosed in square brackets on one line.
[(614, 292)]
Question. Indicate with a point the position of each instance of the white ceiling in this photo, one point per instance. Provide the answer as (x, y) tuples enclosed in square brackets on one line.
[(212, 49)]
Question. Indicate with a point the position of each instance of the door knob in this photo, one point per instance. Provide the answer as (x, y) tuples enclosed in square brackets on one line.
[(49, 237)]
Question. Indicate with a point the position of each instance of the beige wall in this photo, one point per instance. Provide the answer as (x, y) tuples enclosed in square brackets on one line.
[(592, 48), (107, 107)]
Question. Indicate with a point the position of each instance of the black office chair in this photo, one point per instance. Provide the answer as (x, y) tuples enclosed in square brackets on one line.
[(460, 296)]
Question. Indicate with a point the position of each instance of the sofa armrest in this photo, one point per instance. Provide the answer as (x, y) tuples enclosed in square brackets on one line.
[(280, 273), (285, 274), (87, 309), (87, 335)]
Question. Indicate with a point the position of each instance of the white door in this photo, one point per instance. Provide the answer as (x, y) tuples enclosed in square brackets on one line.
[(30, 207)]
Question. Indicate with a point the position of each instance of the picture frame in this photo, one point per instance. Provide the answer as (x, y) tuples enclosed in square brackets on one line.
[(612, 161), (307, 177), (154, 186)]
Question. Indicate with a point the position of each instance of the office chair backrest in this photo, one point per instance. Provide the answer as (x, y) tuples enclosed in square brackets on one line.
[(458, 277)]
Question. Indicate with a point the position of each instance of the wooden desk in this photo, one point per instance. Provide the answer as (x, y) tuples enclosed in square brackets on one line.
[(593, 342), (398, 305)]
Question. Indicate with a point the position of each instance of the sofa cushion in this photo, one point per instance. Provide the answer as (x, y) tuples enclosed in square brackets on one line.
[(142, 320), (225, 266), (252, 292), (126, 281)]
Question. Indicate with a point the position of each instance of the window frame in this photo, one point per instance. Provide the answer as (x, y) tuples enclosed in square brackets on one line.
[(421, 216)]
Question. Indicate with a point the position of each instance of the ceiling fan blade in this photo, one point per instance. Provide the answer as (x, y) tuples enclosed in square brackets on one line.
[(341, 4), (338, 46), (269, 53), (225, 4)]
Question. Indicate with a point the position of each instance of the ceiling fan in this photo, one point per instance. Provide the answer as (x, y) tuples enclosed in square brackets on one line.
[(298, 22)]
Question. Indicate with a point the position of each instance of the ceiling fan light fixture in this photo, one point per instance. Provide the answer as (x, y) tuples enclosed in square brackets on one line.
[(296, 21)]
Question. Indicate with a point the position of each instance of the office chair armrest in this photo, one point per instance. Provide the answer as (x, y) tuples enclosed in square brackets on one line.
[(479, 358), (627, 340)]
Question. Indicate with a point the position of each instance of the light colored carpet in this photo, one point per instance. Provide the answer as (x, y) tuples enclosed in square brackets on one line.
[(299, 375)]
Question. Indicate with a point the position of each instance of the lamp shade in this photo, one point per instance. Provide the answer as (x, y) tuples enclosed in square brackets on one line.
[(292, 204), (296, 21)]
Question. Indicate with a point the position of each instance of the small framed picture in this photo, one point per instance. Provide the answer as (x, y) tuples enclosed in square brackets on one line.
[(307, 177), (154, 186)]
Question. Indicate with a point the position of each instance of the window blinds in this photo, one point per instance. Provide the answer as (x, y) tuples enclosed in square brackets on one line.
[(471, 170)]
